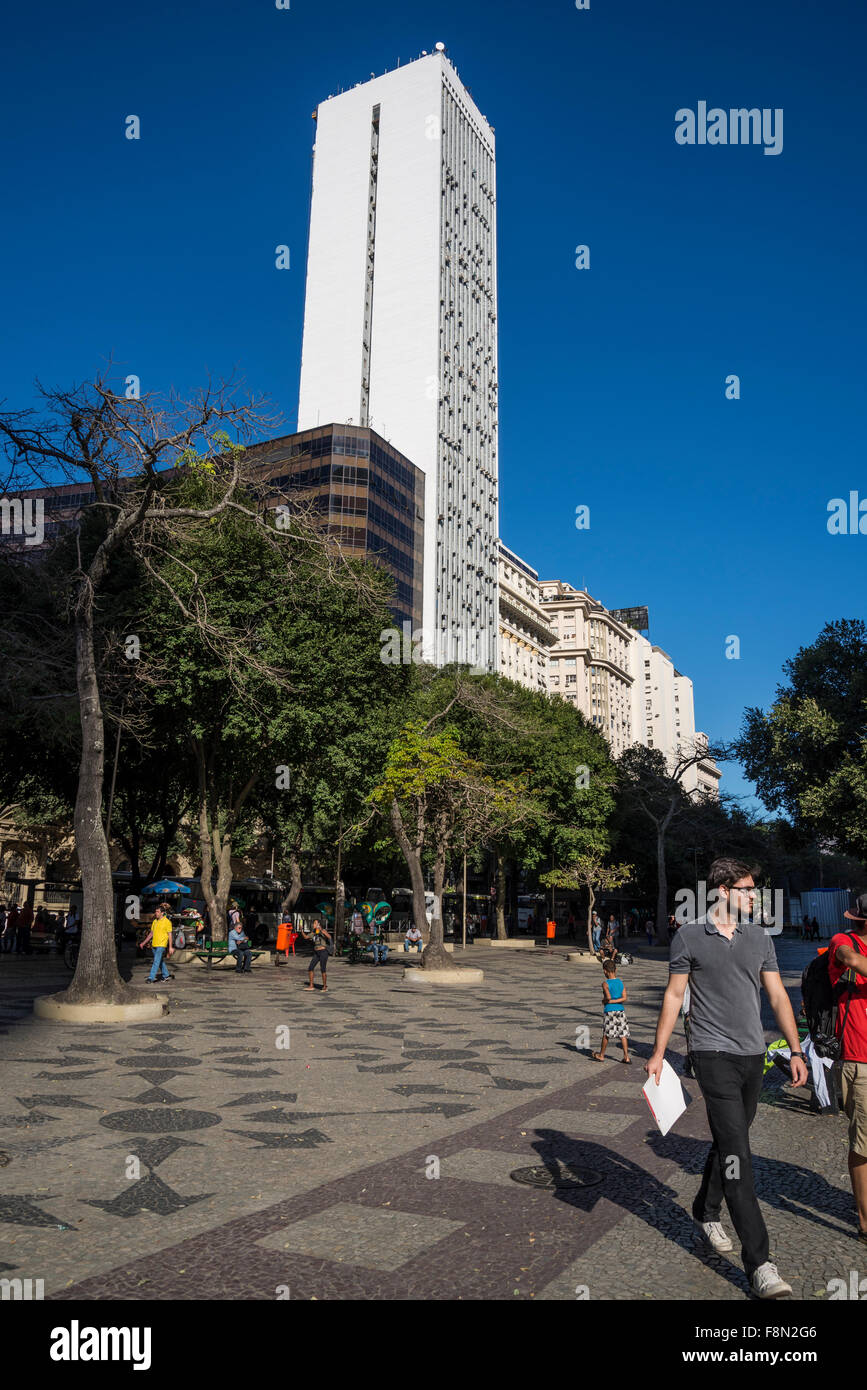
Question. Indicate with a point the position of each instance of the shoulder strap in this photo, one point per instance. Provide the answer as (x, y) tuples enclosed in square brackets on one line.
[(852, 937)]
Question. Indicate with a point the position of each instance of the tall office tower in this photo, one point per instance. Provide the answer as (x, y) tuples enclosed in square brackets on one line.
[(400, 318)]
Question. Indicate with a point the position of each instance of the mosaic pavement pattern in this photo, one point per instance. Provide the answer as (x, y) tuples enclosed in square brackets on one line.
[(261, 1142)]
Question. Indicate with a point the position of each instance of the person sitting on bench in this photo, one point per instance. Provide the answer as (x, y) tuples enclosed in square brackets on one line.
[(239, 947), (413, 938)]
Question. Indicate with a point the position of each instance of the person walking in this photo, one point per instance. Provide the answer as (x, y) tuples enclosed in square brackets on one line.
[(648, 927), (321, 940), (596, 931), (240, 947), (160, 938), (13, 923), (4, 936), (726, 959), (614, 1023), (25, 926), (847, 967)]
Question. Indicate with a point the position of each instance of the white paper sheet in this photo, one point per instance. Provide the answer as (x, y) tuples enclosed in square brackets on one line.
[(667, 1101)]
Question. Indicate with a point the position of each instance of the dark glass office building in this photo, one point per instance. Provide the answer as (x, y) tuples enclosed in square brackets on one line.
[(371, 498)]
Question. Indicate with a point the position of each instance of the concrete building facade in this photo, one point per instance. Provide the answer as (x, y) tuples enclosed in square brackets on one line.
[(589, 665), (627, 687), (526, 636), (663, 714), (400, 316)]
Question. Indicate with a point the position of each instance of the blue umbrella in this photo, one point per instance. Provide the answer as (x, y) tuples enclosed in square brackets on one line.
[(166, 885)]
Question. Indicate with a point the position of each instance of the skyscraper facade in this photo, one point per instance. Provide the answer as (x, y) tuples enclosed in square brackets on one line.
[(400, 317)]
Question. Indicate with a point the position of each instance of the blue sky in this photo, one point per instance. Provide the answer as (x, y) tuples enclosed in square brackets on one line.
[(704, 261)]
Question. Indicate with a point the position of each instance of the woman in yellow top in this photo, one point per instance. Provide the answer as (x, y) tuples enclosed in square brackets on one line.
[(160, 937)]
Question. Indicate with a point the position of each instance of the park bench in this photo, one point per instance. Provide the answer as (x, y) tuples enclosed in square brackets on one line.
[(218, 950)]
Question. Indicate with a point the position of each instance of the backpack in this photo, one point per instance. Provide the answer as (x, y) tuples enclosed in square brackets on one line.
[(820, 1005)]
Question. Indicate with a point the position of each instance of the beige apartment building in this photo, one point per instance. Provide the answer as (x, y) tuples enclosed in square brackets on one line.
[(663, 715), (626, 686), (526, 636), (590, 662)]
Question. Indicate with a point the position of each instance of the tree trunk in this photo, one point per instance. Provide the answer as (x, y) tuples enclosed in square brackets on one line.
[(294, 893), (591, 903), (500, 899), (413, 864), (96, 980), (434, 953), (223, 889), (217, 923)]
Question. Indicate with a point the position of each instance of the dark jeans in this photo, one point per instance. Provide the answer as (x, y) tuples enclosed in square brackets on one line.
[(243, 958), (22, 942), (730, 1085)]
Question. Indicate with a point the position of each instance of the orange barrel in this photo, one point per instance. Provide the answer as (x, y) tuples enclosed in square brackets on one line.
[(284, 934), (551, 929)]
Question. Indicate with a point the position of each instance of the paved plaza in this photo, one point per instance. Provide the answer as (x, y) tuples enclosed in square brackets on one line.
[(201, 1156)]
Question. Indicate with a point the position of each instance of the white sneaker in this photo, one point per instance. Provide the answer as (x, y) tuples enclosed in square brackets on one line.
[(714, 1235), (766, 1282)]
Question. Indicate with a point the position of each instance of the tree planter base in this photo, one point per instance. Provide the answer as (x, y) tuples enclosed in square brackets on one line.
[(51, 1008), (582, 958), (511, 943), (458, 978)]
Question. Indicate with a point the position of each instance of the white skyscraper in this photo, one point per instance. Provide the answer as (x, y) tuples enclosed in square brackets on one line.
[(400, 318)]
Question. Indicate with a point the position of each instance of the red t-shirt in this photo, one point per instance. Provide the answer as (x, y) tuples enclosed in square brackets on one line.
[(855, 1040)]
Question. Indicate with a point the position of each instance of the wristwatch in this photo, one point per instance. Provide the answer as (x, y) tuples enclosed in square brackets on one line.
[(796, 1054)]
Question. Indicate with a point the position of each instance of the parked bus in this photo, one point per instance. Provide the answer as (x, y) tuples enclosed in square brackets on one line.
[(479, 912)]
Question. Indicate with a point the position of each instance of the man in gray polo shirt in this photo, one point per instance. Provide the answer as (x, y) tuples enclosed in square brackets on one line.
[(724, 958)]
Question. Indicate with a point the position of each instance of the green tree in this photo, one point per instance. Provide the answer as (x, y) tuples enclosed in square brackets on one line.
[(267, 658), (566, 764), (438, 800), (808, 753), (653, 788), (590, 873)]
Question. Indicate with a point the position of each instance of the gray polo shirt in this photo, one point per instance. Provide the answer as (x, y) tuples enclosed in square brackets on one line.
[(725, 1012)]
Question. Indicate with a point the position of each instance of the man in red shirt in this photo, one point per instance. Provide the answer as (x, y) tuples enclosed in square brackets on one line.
[(852, 1027)]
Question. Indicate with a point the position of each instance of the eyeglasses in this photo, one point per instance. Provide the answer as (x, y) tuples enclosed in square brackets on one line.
[(740, 888)]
